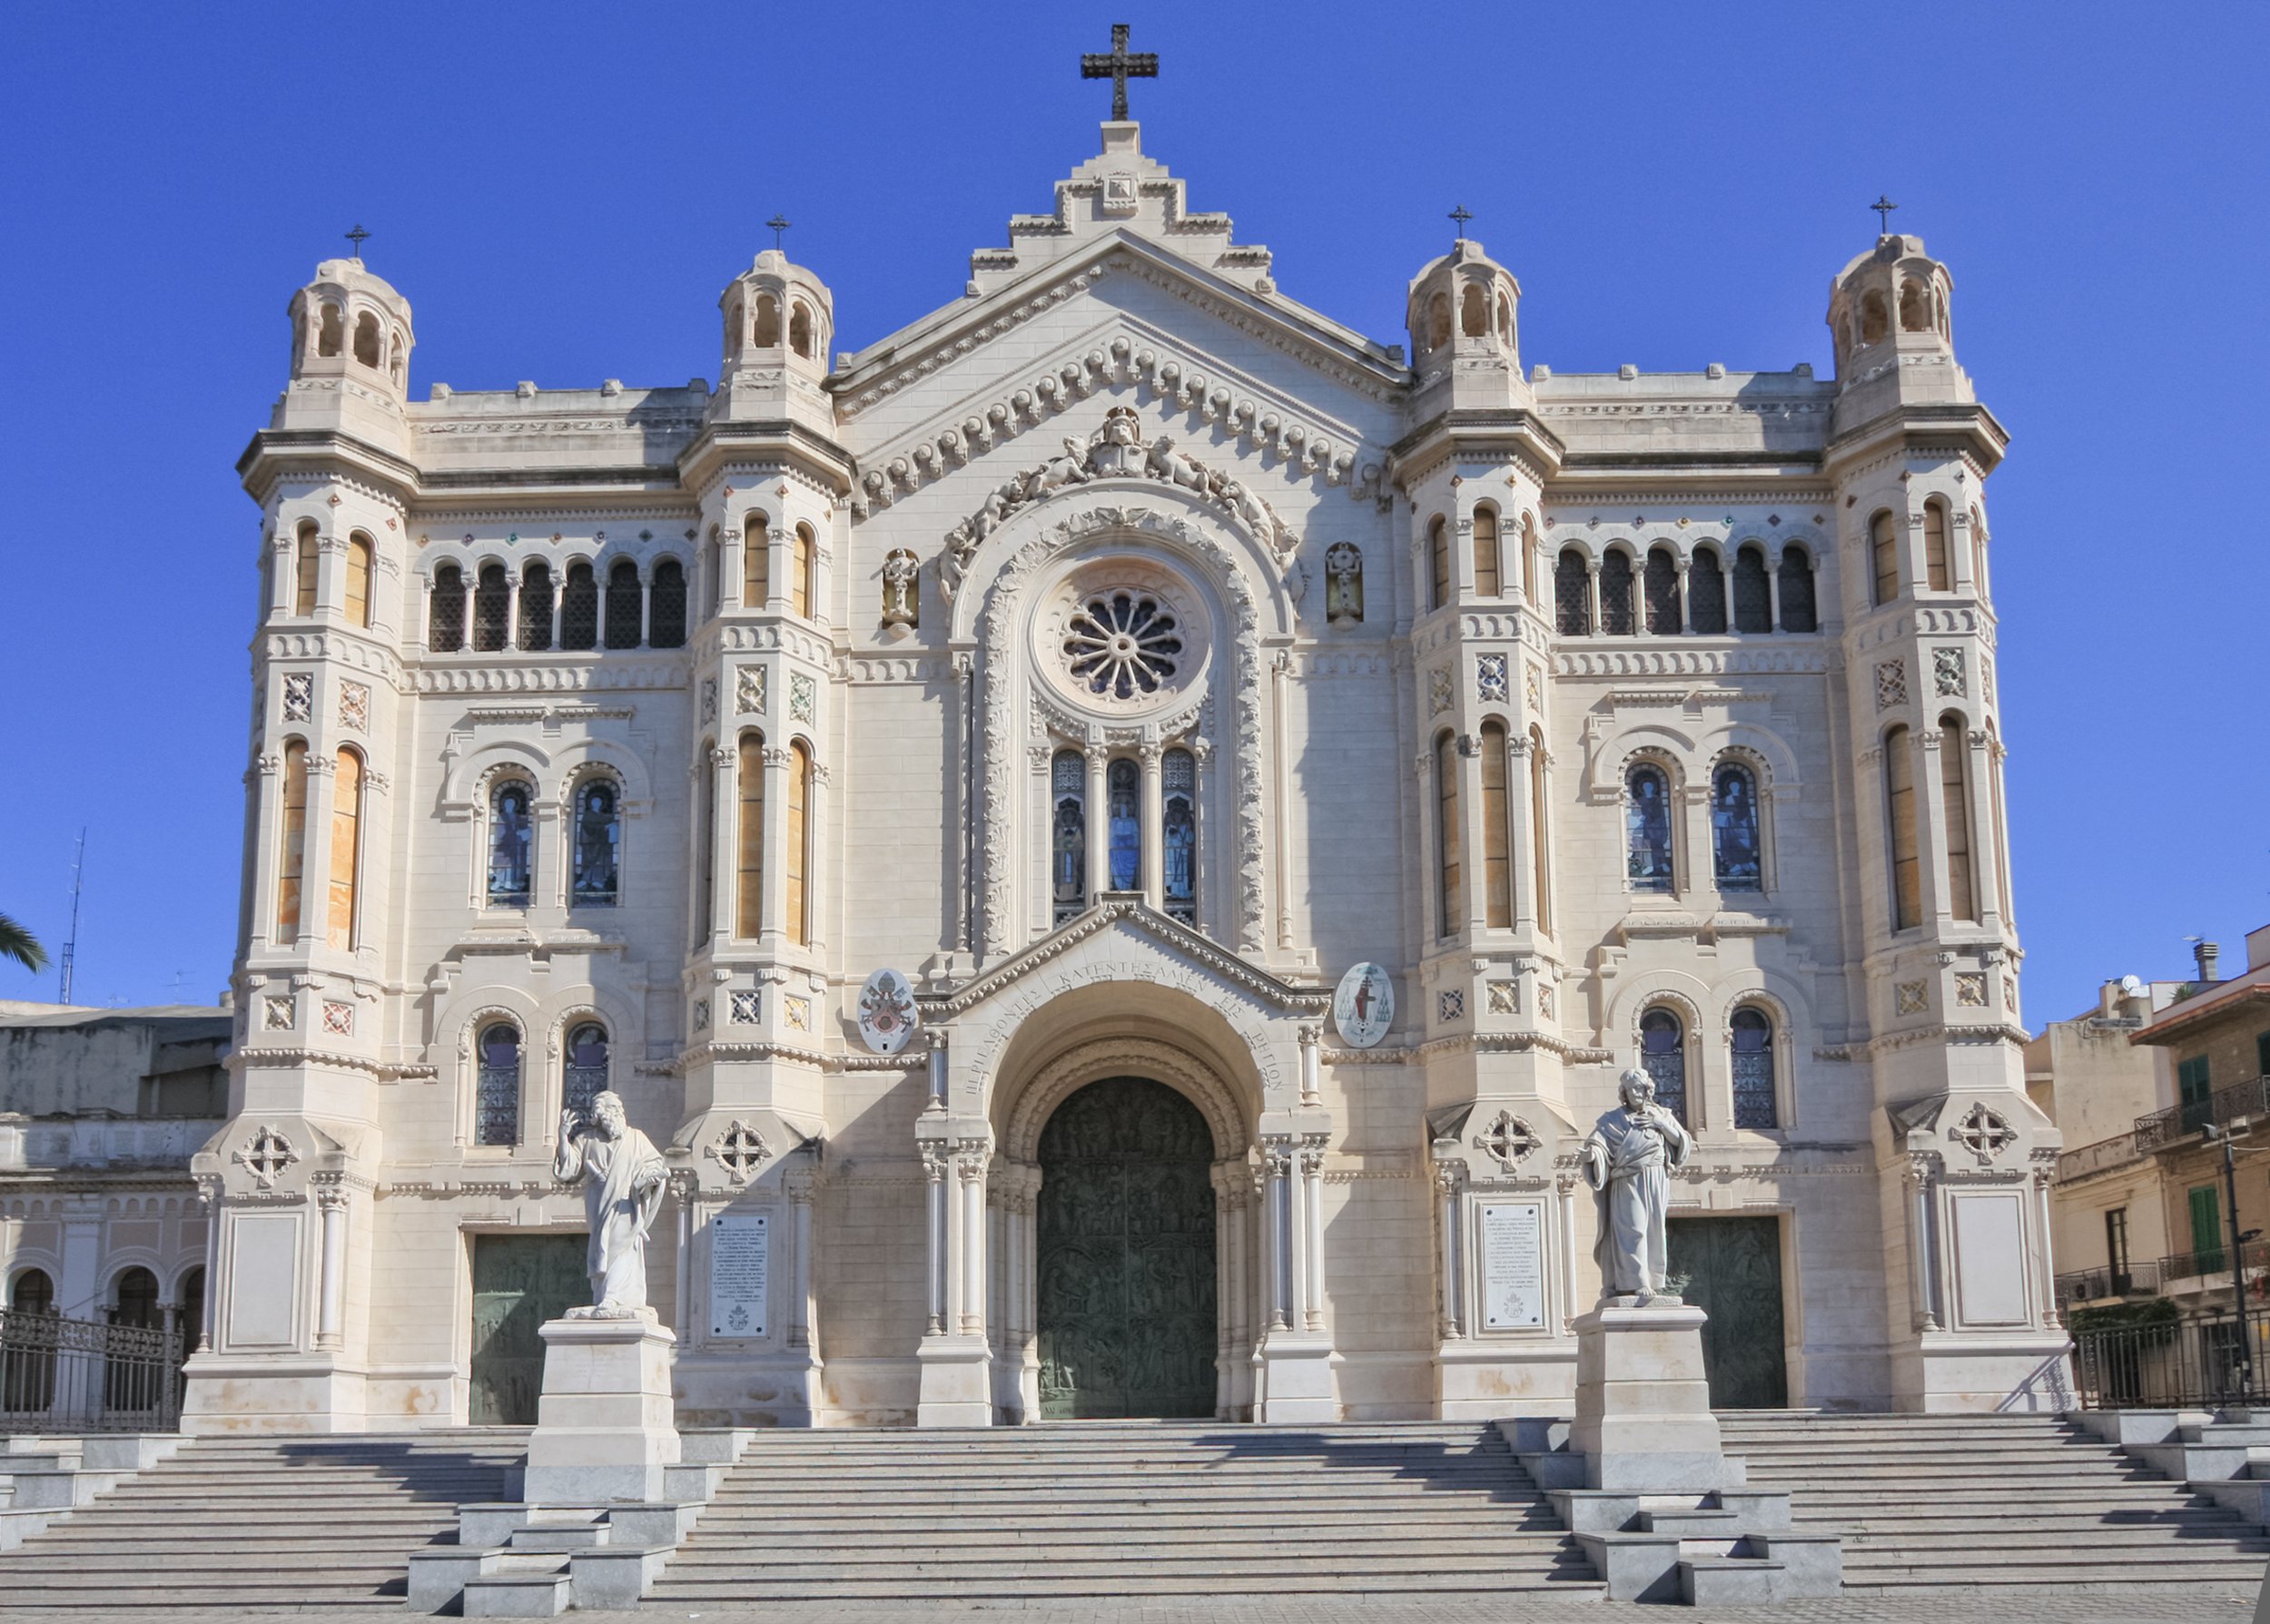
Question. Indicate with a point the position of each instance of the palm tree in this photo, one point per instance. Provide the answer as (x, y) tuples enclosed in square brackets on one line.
[(21, 945)]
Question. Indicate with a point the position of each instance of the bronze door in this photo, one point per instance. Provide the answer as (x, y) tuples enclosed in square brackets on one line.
[(519, 1281), (1124, 1286), (1733, 1268)]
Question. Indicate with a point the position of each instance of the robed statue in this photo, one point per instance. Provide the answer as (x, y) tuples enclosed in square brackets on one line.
[(623, 1176), (1628, 1159)]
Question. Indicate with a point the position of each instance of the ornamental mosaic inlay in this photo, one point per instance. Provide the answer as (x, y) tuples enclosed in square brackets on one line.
[(354, 706), (1122, 644), (299, 696), (1452, 1006), (748, 1008), (804, 696), (748, 690), (279, 1014), (1912, 997), (701, 1015), (709, 700), (1438, 690), (1970, 990), (1892, 683), (1947, 672), (339, 1019), (799, 1012), (1489, 678), (1536, 689), (1505, 997)]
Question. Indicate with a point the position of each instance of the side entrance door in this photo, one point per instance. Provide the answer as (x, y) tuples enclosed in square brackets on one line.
[(1733, 1268), (519, 1281)]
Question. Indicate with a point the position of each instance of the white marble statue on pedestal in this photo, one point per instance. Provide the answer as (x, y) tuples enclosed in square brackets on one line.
[(623, 1176), (1628, 1159)]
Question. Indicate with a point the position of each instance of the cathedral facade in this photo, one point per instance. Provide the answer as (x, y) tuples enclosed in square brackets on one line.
[(1122, 836)]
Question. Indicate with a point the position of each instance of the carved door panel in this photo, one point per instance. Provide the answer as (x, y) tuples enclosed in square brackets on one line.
[(519, 1281), (1124, 1286), (1733, 1274)]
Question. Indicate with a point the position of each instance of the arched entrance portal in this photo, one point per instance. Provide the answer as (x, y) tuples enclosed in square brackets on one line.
[(1124, 1281)]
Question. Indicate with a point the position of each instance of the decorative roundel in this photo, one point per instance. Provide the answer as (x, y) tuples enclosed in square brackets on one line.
[(1363, 1009), (1121, 644), (1121, 637), (887, 1015)]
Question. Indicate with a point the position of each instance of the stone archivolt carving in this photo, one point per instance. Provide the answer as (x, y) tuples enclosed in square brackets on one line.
[(1055, 1082), (1116, 450)]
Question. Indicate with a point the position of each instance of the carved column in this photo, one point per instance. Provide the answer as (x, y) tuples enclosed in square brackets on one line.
[(778, 760), (935, 1209), (1098, 823), (645, 606), (815, 838), (1773, 593), (1680, 564), (2043, 1177), (332, 1296), (683, 1186), (512, 611), (799, 1189), (1566, 1184), (1153, 868), (1275, 1163), (1448, 1177), (1922, 1281), (1930, 814), (1520, 854), (1312, 1248), (970, 1164), (1311, 1040), (1986, 856), (263, 782), (724, 868), (1592, 595)]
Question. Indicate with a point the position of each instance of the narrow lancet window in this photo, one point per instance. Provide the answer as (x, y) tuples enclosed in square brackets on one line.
[(1753, 598), (492, 608), (445, 611), (1122, 802), (509, 832), (496, 1090), (1647, 830), (291, 862), (535, 605), (749, 868), (1797, 613), (598, 846), (1962, 892), (798, 842), (1068, 848), (1497, 879), (1572, 591), (1662, 594), (1935, 568), (757, 562), (585, 1077), (1615, 596), (1706, 594), (1736, 861), (1446, 845), (666, 626), (346, 850), (1663, 1057), (306, 554), (1906, 874), (359, 554), (1755, 1106), (1486, 573), (579, 609), (1883, 548), (1179, 786)]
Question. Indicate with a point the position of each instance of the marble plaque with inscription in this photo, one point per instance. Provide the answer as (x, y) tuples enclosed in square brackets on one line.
[(740, 1268), (1513, 1265)]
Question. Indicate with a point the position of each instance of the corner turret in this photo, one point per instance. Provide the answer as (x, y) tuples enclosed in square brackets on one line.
[(1462, 313), (1888, 318), (351, 338), (779, 320)]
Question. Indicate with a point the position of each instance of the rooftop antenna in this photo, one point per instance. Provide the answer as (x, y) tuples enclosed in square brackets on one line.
[(71, 942)]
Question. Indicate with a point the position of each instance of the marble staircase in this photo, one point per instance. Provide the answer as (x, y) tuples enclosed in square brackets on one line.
[(1956, 1501), (1058, 1512), (284, 1521)]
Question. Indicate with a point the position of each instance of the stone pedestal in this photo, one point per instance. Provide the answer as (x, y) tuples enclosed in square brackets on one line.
[(957, 1383), (605, 1429), (1643, 1418)]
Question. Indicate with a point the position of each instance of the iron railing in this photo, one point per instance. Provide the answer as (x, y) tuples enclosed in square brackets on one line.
[(2086, 1285), (2224, 1105), (2095, 1159), (61, 1375), (2211, 1262), (2175, 1364)]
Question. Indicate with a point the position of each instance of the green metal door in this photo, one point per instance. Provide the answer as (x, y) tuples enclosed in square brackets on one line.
[(519, 1281), (1733, 1268), (1124, 1286)]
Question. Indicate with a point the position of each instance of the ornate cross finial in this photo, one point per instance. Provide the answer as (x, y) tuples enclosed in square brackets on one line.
[(358, 237), (1460, 215), (740, 1150), (266, 1156), (777, 224), (1509, 1139), (1883, 207), (1119, 68), (1983, 1133)]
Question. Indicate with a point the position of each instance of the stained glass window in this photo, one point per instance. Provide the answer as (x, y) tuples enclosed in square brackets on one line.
[(1663, 1057), (1438, 556), (1754, 1104), (796, 846), (1571, 589), (1706, 593), (497, 1095), (1123, 800), (1179, 783), (346, 850), (508, 837), (599, 842), (757, 562), (585, 1076), (1753, 598), (305, 558), (1736, 861), (1497, 887), (1647, 830), (1068, 856)]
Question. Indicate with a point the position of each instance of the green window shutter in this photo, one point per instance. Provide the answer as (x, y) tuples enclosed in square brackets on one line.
[(2261, 1054), (2206, 1228), (2191, 1077)]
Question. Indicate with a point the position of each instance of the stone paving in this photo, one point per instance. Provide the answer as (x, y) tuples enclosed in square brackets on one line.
[(2215, 1604)]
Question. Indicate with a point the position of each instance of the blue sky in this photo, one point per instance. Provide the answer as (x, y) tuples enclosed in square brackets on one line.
[(563, 190)]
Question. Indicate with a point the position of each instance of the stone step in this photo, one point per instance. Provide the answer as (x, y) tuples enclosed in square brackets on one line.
[(1136, 1581), (1009, 1553), (1160, 1524)]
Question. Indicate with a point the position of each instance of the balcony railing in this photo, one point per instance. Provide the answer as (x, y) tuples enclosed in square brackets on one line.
[(2096, 1158), (2091, 1285), (2211, 1261), (2181, 1364), (2249, 1099), (60, 1375)]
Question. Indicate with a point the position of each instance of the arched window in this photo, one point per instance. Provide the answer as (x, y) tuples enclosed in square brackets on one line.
[(1473, 311), (367, 339), (802, 566), (1706, 593), (358, 555), (800, 328), (1447, 831), (749, 840), (1884, 549), (579, 609), (33, 1291), (666, 627), (1753, 597), (625, 605), (1068, 843), (757, 562), (1753, 1040), (1487, 575), (1954, 761), (1906, 874), (1437, 561), (1647, 828), (445, 611), (1663, 1057), (397, 361), (1616, 618), (193, 1312), (1737, 860), (1123, 826), (1571, 592), (510, 805), (1438, 322), (1915, 307), (292, 861), (585, 1077), (1875, 319), (347, 783), (1936, 568), (492, 608), (1662, 594), (1505, 318), (1529, 560), (535, 605), (137, 1304), (331, 335), (705, 846), (1498, 830), (598, 845), (305, 560), (1539, 839), (1179, 863), (2001, 837), (798, 840), (1798, 614), (713, 564), (768, 322), (27, 1375), (497, 1090)]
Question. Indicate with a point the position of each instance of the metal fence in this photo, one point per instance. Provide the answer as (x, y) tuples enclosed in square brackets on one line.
[(2086, 1285), (2175, 1364), (60, 1375)]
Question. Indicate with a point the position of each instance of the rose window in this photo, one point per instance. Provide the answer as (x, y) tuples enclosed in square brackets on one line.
[(1122, 644)]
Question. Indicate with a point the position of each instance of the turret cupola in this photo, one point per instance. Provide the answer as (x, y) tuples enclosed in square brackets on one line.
[(1888, 318), (1463, 314), (779, 320), (348, 323)]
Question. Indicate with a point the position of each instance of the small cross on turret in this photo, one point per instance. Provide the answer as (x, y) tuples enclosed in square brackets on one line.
[(1459, 216), (358, 237), (1883, 206), (776, 225), (1119, 68)]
